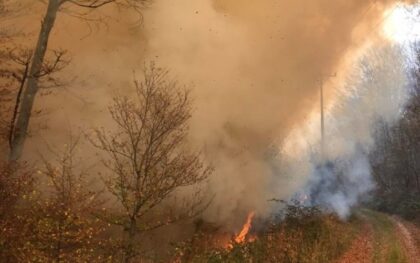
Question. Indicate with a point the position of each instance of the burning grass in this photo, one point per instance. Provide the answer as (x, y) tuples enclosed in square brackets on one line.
[(241, 237), (303, 235)]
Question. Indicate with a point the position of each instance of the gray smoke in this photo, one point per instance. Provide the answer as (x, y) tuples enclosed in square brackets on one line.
[(376, 90)]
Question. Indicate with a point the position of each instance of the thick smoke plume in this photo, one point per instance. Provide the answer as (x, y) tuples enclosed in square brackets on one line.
[(254, 67), (374, 91)]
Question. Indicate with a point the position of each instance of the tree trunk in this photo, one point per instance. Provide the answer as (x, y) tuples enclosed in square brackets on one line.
[(29, 94), (129, 252)]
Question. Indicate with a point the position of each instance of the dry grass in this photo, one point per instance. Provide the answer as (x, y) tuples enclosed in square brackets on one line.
[(304, 235)]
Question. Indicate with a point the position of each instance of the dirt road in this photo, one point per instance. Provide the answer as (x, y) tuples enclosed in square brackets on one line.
[(406, 233), (384, 239)]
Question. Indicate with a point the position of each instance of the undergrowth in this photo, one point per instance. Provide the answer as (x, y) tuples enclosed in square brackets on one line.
[(303, 234)]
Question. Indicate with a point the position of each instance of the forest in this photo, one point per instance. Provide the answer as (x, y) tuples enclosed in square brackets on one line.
[(209, 131)]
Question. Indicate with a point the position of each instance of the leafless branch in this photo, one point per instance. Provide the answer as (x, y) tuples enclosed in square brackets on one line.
[(147, 155), (91, 3), (22, 80)]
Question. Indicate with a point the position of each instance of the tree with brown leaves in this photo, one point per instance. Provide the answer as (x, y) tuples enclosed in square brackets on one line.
[(16, 183), (147, 156), (62, 226)]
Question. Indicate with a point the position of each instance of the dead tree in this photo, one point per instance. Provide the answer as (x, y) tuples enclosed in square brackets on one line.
[(147, 155), (35, 66)]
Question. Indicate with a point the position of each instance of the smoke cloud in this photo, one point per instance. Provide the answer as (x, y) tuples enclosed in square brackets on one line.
[(376, 90), (254, 67)]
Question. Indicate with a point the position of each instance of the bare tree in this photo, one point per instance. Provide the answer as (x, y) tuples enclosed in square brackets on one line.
[(36, 65), (148, 156), (15, 72)]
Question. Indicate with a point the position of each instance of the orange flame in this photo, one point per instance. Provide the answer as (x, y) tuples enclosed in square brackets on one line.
[(240, 238)]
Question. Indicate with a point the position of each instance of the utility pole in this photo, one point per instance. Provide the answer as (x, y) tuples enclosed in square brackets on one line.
[(321, 83), (321, 88)]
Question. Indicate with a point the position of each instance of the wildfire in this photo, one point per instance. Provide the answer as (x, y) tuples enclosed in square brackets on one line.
[(240, 238), (228, 241)]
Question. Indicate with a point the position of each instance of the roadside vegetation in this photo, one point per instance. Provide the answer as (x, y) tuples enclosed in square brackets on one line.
[(301, 234)]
